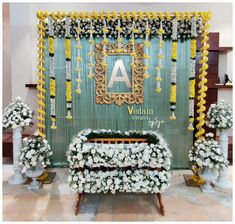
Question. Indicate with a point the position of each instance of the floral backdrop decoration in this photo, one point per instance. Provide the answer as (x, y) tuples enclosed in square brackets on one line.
[(130, 26)]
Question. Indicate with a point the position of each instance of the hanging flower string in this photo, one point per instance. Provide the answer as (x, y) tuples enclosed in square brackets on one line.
[(51, 46), (78, 58), (160, 56), (68, 70), (193, 49), (202, 76), (132, 40), (173, 68), (105, 42), (91, 53), (146, 53), (119, 39), (41, 76)]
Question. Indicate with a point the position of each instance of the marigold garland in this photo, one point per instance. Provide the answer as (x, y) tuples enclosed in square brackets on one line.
[(193, 50), (160, 56), (68, 71), (202, 76), (173, 68), (41, 70), (51, 49)]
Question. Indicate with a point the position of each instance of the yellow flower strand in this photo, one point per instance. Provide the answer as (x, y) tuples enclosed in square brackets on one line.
[(202, 76), (41, 77)]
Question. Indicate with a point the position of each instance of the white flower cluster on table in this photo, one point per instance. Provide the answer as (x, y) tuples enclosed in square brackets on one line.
[(34, 151), (220, 116), (17, 114), (207, 153), (137, 181), (115, 160)]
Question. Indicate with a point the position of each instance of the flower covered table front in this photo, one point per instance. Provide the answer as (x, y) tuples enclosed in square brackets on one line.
[(115, 161)]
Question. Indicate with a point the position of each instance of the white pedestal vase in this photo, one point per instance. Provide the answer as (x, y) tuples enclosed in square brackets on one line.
[(34, 185), (222, 181), (18, 177), (209, 175)]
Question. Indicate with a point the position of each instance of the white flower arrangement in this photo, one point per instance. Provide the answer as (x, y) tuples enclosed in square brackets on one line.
[(207, 153), (94, 163), (35, 150), (17, 114), (220, 116), (137, 181)]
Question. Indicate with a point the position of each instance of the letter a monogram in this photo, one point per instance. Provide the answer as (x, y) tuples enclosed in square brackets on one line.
[(114, 78)]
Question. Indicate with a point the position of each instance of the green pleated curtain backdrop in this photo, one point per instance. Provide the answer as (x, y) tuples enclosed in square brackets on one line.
[(87, 114)]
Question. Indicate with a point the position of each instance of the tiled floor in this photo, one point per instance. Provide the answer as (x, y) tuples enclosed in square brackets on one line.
[(55, 202)]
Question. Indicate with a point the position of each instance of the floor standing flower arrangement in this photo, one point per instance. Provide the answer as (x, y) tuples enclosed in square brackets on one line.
[(17, 114), (34, 151), (220, 116), (68, 70)]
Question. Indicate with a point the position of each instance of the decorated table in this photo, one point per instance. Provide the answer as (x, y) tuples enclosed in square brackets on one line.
[(115, 161)]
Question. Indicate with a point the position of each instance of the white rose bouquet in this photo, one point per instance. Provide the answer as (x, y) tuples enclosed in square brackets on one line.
[(35, 150), (220, 116), (207, 153), (17, 114)]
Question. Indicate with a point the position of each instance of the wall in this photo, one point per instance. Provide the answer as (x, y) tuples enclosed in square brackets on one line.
[(7, 57), (23, 34)]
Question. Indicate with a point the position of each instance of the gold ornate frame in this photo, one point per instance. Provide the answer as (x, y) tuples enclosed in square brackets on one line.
[(137, 94)]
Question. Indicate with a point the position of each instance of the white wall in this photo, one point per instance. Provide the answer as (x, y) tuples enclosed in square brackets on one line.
[(23, 33)]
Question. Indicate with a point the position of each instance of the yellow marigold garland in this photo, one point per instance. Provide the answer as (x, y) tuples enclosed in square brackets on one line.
[(68, 70), (202, 76), (41, 76)]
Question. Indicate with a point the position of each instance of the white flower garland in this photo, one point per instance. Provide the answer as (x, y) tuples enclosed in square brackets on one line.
[(78, 59), (142, 156), (35, 149), (17, 114), (207, 153), (160, 58), (192, 73), (146, 50), (220, 116), (52, 74), (173, 69)]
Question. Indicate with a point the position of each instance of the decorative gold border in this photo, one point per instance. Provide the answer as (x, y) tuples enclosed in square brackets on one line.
[(137, 94)]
